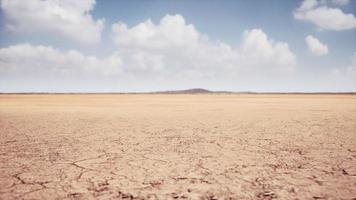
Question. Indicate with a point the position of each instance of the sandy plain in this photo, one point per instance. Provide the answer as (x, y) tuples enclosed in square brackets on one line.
[(211, 146)]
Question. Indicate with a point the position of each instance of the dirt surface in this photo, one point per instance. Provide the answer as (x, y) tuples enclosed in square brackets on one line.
[(178, 146)]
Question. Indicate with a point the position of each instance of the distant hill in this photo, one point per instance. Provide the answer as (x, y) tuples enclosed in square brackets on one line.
[(188, 91)]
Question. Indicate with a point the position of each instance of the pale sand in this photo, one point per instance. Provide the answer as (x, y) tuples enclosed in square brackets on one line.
[(177, 146)]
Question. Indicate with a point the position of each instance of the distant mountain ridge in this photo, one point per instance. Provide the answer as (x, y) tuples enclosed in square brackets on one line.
[(188, 91)]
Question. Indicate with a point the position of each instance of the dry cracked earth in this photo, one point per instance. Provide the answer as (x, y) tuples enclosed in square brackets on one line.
[(213, 146)]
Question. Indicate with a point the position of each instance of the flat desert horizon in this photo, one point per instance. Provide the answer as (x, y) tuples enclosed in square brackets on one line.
[(164, 146), (174, 99)]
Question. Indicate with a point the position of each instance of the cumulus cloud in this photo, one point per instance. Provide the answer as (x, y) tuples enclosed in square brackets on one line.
[(258, 50), (179, 46), (34, 61), (68, 18), (315, 46), (172, 31), (172, 50), (325, 17)]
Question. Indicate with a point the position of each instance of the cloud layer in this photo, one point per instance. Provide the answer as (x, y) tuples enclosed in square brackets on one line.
[(178, 46), (315, 46), (25, 60), (171, 49), (170, 52), (325, 17), (68, 18)]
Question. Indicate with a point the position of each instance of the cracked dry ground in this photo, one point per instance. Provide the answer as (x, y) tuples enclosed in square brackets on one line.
[(177, 146)]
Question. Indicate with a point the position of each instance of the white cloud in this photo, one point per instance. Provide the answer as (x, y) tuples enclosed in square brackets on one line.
[(171, 47), (257, 49), (171, 32), (315, 46), (68, 18), (171, 51), (325, 17), (33, 61), (180, 47), (307, 5)]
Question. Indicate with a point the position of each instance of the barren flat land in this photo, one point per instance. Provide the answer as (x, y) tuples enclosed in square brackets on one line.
[(197, 146)]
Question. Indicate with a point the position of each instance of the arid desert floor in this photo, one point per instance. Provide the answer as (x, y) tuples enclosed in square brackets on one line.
[(201, 146)]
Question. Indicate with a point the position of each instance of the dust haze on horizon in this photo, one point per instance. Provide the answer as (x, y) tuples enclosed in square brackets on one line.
[(137, 46)]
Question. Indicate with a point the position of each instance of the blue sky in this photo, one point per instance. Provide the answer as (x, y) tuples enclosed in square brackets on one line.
[(272, 45)]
